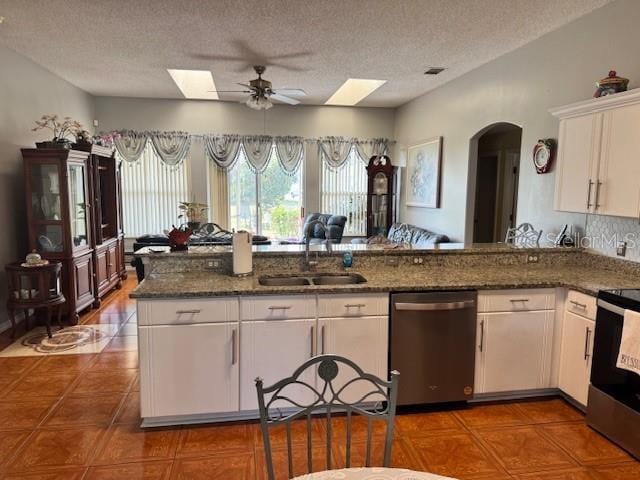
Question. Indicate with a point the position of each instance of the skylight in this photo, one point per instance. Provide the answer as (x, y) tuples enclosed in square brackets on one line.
[(196, 84), (354, 90)]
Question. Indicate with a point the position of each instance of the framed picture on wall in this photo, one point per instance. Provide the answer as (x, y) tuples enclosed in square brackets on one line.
[(423, 174)]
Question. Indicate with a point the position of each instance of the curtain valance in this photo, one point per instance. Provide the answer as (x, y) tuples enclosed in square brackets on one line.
[(171, 147), (130, 144), (290, 152), (223, 149), (335, 150)]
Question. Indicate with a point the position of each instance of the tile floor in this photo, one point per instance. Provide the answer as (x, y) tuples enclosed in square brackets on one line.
[(76, 417)]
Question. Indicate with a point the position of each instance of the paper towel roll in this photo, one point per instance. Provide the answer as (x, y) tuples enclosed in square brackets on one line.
[(242, 254)]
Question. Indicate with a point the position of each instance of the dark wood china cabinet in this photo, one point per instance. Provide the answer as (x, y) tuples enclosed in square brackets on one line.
[(74, 217), (380, 195)]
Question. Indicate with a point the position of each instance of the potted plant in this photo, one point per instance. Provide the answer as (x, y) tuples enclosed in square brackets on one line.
[(193, 213), (61, 130)]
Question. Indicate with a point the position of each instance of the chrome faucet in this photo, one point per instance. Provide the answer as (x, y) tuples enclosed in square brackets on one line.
[(307, 239)]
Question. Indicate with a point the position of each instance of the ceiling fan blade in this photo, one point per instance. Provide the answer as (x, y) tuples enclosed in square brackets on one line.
[(204, 56), (291, 92), (284, 99), (230, 91), (245, 85)]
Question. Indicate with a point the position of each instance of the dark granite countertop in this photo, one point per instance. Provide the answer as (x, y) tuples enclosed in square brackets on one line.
[(582, 278)]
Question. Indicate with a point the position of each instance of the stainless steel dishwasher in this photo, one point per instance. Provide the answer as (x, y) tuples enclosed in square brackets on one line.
[(432, 345)]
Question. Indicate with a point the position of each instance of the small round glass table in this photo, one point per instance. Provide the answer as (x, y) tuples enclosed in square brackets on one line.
[(371, 473)]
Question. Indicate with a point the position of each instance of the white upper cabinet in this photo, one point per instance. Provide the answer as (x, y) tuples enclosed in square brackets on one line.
[(619, 173), (598, 156), (577, 163)]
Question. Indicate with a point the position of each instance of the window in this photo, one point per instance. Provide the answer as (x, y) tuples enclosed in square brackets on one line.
[(267, 204), (344, 192), (151, 192)]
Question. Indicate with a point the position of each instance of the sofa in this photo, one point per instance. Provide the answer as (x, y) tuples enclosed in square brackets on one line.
[(334, 224), (404, 233)]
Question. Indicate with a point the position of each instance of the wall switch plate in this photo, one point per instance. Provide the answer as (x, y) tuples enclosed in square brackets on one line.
[(532, 258), (211, 264), (621, 249)]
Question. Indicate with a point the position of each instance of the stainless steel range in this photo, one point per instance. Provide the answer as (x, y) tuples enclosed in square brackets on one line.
[(614, 394)]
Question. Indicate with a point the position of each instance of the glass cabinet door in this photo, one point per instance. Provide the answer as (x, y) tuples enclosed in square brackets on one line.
[(78, 213), (46, 208)]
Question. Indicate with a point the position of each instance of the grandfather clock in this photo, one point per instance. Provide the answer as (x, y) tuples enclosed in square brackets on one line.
[(380, 195)]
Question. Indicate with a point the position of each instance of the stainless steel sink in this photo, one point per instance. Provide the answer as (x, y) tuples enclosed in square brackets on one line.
[(318, 279), (339, 279), (283, 281)]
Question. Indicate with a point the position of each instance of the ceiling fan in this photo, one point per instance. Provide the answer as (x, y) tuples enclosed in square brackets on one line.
[(261, 92)]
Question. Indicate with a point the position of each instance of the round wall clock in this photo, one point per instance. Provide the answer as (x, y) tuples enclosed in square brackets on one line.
[(543, 154)]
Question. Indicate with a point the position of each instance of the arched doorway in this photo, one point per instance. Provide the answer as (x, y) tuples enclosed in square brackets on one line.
[(493, 184)]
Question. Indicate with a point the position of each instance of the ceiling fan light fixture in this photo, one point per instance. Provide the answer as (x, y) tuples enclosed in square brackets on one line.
[(258, 102)]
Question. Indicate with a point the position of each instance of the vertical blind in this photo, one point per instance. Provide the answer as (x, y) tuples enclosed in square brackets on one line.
[(151, 192), (344, 192)]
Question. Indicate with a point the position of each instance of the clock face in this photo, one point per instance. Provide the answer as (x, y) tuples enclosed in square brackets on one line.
[(543, 155), (380, 184)]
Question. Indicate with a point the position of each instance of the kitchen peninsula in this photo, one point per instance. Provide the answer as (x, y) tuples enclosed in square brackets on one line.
[(205, 335)]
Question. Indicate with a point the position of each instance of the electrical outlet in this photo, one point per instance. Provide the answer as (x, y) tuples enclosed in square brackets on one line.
[(621, 249), (211, 264), (532, 258), (392, 261)]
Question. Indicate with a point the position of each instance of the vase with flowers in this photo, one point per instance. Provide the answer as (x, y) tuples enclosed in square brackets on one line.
[(62, 129)]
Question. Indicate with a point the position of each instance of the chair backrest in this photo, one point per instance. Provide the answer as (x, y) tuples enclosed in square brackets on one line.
[(334, 223), (326, 399)]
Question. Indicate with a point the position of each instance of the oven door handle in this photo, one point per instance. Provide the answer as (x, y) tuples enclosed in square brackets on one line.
[(610, 307)]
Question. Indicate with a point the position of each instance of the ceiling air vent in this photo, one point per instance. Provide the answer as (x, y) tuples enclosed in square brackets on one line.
[(434, 70)]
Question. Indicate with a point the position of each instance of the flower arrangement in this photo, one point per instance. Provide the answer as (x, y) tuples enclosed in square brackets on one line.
[(61, 129), (107, 139)]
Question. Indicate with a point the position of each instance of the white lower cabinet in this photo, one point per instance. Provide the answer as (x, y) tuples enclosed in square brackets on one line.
[(575, 359), (513, 351), (189, 369), (272, 350), (364, 340)]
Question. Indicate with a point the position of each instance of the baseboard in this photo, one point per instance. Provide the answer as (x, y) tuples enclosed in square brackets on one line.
[(517, 395)]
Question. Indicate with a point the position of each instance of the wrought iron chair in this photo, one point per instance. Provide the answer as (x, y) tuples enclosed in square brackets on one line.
[(328, 397)]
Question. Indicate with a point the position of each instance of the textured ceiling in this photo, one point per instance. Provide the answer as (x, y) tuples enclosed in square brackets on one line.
[(123, 48)]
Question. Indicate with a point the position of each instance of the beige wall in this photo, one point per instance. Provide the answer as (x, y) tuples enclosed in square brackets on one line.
[(519, 88), (26, 92), (230, 117)]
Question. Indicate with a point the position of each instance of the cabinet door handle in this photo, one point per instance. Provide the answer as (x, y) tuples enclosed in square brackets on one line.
[(481, 336), (355, 305), (186, 312), (589, 194), (514, 300), (280, 307), (598, 184), (583, 306), (234, 351), (587, 336), (313, 334), (322, 339)]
